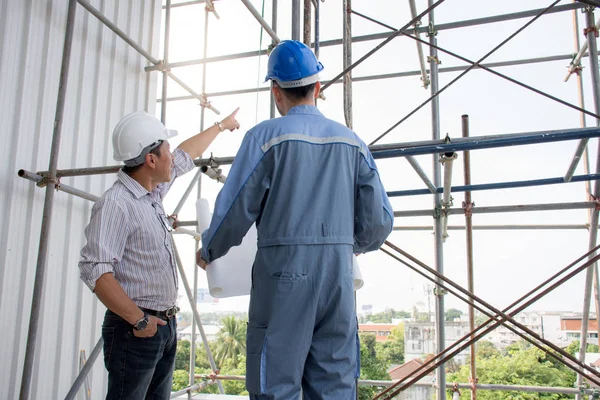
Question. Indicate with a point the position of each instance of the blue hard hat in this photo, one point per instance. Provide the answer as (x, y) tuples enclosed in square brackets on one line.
[(293, 64)]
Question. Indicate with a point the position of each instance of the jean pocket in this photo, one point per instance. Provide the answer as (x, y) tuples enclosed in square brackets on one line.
[(256, 359), (108, 336)]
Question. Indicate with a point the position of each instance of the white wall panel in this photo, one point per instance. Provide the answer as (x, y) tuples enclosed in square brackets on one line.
[(106, 81)]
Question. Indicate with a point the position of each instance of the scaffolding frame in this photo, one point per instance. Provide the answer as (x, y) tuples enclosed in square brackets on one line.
[(437, 147)]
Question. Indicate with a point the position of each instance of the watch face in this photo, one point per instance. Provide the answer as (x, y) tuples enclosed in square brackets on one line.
[(141, 324)]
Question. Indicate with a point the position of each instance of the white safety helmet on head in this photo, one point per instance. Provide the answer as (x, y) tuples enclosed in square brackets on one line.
[(136, 135)]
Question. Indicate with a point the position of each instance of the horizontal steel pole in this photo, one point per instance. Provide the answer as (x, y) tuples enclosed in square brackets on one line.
[(498, 227), (499, 185), (475, 143), (503, 209), (385, 35), (59, 186), (392, 75), (407, 149), (382, 383)]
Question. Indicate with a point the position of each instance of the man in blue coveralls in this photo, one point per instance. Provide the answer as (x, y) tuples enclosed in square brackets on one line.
[(313, 189)]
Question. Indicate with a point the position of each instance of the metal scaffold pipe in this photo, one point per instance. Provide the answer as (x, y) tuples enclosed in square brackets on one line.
[(503, 209), (468, 206), (44, 245), (424, 76), (261, 21), (591, 32), (196, 314), (85, 370), (447, 160)]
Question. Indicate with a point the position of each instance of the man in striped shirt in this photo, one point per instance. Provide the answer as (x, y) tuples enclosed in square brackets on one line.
[(128, 260)]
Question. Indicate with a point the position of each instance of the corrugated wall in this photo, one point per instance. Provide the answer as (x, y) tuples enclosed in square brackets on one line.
[(106, 81)]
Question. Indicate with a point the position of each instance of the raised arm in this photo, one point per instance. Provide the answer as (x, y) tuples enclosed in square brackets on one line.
[(197, 144)]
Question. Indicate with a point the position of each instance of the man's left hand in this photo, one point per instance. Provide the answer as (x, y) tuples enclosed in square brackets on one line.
[(200, 261)]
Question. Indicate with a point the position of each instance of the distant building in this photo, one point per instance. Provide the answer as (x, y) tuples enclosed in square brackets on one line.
[(381, 331), (420, 339), (571, 326), (414, 392), (211, 331)]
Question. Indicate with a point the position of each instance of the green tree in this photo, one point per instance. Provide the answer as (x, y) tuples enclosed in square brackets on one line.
[(371, 366), (522, 365), (575, 345), (182, 357), (453, 313), (181, 380), (392, 350), (486, 349), (231, 341)]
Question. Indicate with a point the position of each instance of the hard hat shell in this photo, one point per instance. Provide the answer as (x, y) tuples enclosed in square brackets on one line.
[(135, 132), (293, 64)]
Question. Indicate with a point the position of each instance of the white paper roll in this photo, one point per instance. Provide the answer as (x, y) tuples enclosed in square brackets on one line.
[(358, 279), (231, 275)]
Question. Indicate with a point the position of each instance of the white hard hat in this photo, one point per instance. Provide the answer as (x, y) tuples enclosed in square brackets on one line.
[(134, 136)]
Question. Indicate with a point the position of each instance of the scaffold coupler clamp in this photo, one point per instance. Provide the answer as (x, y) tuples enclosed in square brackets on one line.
[(47, 179), (438, 211), (207, 104), (589, 29), (210, 7), (596, 200), (434, 58), (438, 291), (431, 31), (468, 207), (162, 66)]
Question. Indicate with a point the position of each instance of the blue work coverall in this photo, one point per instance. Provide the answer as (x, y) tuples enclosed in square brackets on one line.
[(313, 189)]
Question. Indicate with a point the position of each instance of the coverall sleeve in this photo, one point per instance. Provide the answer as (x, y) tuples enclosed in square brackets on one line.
[(373, 214), (239, 202)]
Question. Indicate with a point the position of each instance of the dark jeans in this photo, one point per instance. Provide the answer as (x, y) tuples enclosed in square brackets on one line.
[(138, 368)]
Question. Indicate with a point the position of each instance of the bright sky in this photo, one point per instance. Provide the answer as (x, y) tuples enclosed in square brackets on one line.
[(507, 263)]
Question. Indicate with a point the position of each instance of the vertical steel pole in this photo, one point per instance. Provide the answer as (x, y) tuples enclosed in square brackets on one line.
[(165, 74), (593, 57), (42, 260), (307, 22), (467, 205), (295, 19), (317, 28), (347, 61), (439, 250), (196, 247), (274, 27)]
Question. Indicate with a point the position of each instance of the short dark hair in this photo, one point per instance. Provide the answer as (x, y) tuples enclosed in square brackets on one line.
[(298, 93), (131, 170)]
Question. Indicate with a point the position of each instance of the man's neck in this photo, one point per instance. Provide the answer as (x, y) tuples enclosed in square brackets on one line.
[(144, 180)]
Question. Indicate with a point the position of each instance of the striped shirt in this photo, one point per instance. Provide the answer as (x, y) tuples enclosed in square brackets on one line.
[(129, 236)]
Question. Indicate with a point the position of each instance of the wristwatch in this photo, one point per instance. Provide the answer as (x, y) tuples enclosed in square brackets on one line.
[(142, 323)]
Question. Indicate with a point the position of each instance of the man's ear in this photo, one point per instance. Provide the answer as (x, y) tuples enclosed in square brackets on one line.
[(276, 93), (317, 89), (150, 160)]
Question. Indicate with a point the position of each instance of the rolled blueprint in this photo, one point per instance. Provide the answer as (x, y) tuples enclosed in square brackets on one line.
[(231, 275)]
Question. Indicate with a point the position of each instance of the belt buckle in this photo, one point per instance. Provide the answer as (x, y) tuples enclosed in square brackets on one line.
[(171, 311)]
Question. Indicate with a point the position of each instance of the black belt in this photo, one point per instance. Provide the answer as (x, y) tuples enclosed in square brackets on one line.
[(167, 314)]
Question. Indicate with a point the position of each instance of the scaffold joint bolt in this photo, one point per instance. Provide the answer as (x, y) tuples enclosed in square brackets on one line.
[(439, 291), (431, 31), (595, 200)]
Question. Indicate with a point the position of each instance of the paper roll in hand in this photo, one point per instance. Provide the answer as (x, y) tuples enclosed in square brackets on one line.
[(231, 275)]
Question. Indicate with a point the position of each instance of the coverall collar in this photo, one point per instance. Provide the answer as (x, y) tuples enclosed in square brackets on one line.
[(304, 109)]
